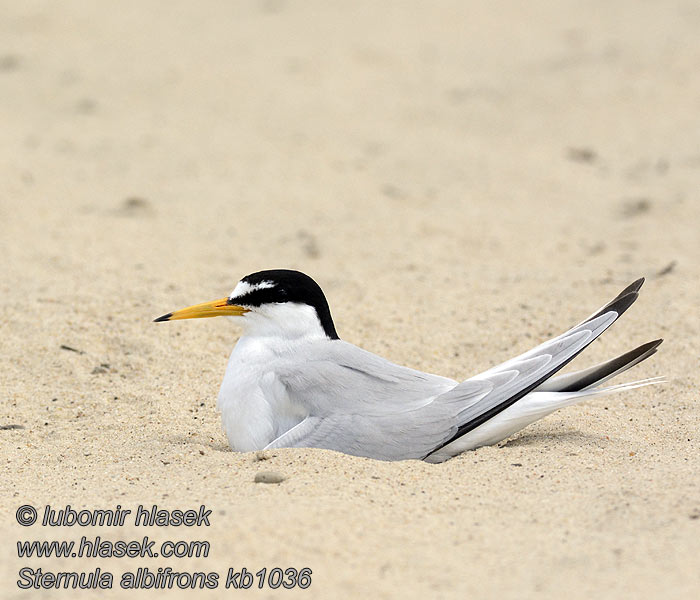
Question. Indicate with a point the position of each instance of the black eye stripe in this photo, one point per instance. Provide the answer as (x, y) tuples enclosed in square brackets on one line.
[(258, 297)]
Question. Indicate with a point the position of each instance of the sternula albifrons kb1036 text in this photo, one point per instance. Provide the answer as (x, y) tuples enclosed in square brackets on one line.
[(292, 382)]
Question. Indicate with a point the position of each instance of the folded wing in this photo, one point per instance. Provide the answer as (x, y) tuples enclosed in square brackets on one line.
[(362, 404), (518, 376)]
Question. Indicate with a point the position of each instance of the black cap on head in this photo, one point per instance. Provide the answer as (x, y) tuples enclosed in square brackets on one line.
[(287, 286)]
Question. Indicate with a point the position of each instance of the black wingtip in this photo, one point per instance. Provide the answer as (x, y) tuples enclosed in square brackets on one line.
[(648, 347), (611, 368), (622, 301), (163, 318), (645, 350), (618, 305), (655, 343), (635, 286)]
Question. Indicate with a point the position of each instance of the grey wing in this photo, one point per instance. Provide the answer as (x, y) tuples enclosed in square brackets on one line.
[(517, 377), (391, 434), (361, 404)]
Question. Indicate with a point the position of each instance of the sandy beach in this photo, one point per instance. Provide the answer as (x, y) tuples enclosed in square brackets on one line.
[(463, 180)]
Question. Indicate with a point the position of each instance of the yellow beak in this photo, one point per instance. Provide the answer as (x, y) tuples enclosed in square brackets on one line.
[(215, 308)]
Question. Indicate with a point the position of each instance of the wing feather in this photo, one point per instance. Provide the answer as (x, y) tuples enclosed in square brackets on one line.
[(554, 354), (359, 403)]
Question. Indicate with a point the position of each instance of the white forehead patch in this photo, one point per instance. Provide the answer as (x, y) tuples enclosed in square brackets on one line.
[(243, 287)]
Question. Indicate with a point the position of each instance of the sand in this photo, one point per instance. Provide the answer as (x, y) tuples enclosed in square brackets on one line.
[(463, 180)]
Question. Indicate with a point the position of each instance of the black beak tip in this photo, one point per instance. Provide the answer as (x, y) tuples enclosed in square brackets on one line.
[(163, 318)]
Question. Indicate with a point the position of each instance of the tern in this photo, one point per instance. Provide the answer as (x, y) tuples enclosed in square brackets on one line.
[(292, 382)]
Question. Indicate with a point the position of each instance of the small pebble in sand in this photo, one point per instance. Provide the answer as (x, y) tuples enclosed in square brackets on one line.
[(269, 477), (667, 269), (135, 203), (135, 206), (9, 62), (581, 154), (634, 207)]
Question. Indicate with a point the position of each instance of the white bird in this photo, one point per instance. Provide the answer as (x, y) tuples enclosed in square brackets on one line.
[(291, 382)]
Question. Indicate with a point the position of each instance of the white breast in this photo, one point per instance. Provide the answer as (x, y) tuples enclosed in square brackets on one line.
[(255, 408)]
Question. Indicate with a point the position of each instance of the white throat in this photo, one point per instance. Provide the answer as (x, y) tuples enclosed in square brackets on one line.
[(286, 321)]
